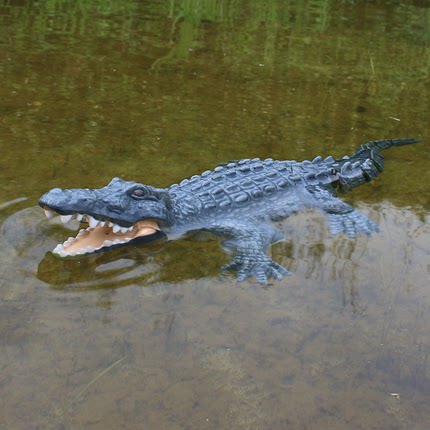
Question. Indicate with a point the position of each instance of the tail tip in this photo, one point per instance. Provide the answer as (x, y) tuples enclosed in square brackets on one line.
[(388, 143)]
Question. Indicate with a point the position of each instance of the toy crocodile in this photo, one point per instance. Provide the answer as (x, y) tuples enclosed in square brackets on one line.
[(236, 201)]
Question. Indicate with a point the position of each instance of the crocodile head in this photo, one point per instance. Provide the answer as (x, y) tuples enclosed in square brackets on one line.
[(117, 214)]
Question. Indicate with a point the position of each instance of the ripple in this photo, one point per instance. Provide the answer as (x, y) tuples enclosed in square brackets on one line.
[(26, 241)]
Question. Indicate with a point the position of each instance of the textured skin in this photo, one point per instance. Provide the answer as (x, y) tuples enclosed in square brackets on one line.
[(236, 201)]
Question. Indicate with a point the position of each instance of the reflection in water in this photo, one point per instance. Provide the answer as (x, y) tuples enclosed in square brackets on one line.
[(252, 80), (28, 233), (95, 273), (308, 250), (350, 326)]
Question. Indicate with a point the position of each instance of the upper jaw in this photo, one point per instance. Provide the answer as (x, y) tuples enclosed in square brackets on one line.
[(93, 220), (101, 206), (87, 206), (101, 215), (92, 217)]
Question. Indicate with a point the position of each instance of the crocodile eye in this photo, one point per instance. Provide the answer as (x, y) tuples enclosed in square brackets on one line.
[(139, 192)]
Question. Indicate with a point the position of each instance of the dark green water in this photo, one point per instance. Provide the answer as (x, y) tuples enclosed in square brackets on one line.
[(155, 337)]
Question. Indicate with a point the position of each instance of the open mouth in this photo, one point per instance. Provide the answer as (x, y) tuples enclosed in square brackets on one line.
[(100, 235)]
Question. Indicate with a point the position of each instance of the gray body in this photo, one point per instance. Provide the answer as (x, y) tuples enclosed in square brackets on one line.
[(238, 200)]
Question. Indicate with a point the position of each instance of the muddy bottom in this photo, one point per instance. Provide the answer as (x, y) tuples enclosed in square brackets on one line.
[(340, 344)]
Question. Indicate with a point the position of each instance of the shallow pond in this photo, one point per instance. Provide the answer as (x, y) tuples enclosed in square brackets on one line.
[(156, 336)]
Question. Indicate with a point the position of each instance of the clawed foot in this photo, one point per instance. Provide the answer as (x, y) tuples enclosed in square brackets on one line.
[(351, 223), (262, 269)]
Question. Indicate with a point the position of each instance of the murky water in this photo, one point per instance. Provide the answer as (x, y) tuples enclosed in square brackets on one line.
[(155, 336)]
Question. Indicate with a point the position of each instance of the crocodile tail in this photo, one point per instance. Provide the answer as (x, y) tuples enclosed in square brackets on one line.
[(376, 145), (366, 163)]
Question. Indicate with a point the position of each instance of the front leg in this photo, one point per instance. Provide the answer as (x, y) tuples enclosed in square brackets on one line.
[(249, 242)]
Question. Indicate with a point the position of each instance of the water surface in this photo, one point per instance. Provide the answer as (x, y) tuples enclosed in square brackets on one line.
[(155, 336)]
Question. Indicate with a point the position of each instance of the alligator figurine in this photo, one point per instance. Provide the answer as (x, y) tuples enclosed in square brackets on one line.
[(236, 201)]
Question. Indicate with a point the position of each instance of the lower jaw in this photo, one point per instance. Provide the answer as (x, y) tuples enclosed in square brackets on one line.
[(100, 239)]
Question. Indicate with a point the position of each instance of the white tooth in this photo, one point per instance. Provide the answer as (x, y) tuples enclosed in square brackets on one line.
[(89, 249), (79, 217), (107, 243), (58, 248), (92, 222), (72, 253), (63, 253), (124, 229), (116, 228), (68, 242), (72, 225), (116, 241), (110, 224), (49, 213), (82, 231), (131, 228), (102, 223), (66, 218)]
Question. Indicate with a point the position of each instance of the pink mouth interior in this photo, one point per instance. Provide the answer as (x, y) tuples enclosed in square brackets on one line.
[(97, 236)]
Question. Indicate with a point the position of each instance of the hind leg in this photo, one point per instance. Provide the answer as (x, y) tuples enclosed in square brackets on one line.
[(342, 217)]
